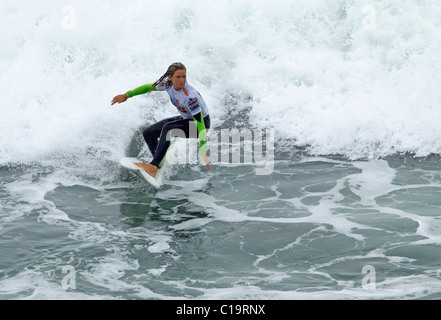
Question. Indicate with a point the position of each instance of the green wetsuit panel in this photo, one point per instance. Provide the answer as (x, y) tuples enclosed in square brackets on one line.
[(140, 90), (202, 133)]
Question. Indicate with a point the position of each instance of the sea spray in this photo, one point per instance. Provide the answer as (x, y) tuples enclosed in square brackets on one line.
[(354, 78)]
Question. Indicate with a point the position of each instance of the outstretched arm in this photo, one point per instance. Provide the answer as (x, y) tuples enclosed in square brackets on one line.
[(140, 90)]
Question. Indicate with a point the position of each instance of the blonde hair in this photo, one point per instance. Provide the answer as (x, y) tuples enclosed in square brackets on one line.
[(169, 73)]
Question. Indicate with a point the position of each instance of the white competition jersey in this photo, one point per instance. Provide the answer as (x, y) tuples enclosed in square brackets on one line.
[(188, 100)]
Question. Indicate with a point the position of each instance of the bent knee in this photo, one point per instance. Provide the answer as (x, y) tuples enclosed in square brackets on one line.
[(150, 130)]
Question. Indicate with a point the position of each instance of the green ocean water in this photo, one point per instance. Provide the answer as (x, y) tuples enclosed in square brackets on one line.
[(316, 228)]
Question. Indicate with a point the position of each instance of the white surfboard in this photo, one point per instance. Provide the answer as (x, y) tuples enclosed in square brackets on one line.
[(129, 163)]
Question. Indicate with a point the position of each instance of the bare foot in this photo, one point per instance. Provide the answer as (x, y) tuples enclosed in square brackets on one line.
[(149, 168)]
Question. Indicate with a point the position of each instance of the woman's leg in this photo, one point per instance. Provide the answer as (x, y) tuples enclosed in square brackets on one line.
[(171, 127), (169, 130), (178, 128), (153, 132)]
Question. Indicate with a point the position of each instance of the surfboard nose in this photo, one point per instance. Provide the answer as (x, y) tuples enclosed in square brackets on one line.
[(132, 164)]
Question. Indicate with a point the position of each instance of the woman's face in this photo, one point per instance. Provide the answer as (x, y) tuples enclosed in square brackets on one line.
[(178, 79)]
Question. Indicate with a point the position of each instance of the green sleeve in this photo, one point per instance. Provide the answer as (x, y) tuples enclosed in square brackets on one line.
[(202, 133), (140, 90)]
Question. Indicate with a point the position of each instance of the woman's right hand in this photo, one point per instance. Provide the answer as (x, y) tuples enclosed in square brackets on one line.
[(119, 98), (205, 158)]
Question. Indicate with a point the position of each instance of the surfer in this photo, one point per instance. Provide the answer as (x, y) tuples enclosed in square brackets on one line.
[(190, 105)]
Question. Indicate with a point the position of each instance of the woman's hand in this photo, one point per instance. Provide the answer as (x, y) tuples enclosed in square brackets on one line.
[(205, 158), (119, 98)]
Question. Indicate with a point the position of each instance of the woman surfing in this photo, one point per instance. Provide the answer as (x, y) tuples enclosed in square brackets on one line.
[(191, 107)]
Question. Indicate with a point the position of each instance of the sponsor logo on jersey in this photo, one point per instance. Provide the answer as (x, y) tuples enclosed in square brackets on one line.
[(193, 103), (175, 102)]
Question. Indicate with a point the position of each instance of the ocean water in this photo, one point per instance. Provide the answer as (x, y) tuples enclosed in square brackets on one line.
[(338, 101)]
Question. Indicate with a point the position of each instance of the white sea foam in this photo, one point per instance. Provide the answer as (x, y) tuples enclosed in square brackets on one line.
[(320, 73)]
